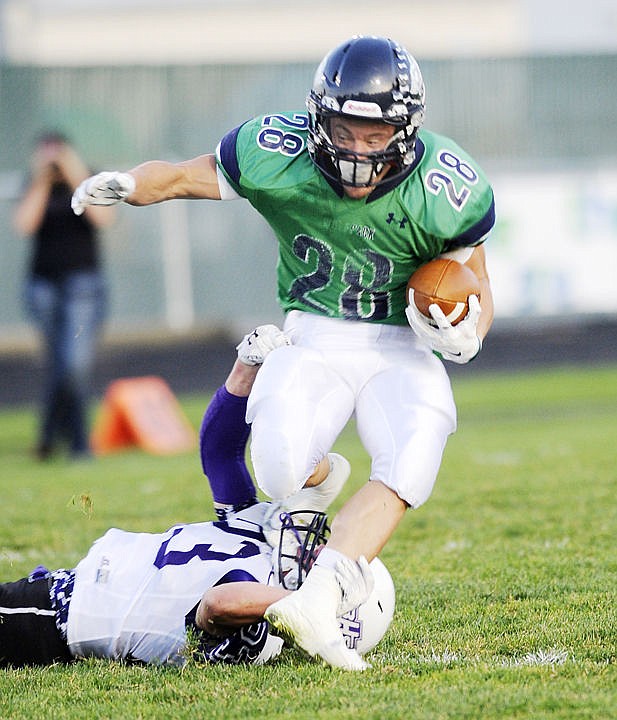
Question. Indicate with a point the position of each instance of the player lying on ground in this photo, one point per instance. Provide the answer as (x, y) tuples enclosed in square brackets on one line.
[(136, 596)]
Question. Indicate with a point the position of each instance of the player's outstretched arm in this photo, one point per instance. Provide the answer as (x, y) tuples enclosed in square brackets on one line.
[(156, 181), (149, 183)]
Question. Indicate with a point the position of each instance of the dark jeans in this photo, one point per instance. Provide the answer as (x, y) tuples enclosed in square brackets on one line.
[(69, 314)]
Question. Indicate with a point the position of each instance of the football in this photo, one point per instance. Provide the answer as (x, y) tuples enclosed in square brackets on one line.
[(447, 283)]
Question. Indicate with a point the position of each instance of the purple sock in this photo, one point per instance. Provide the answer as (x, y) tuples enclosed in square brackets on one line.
[(222, 442)]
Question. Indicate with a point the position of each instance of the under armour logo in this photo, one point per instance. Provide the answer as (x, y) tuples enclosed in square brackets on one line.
[(401, 223)]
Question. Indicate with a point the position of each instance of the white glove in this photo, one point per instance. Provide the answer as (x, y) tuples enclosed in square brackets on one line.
[(257, 344), (106, 188), (356, 582), (458, 343)]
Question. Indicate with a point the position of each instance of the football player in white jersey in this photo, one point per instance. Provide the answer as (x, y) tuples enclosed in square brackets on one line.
[(137, 596)]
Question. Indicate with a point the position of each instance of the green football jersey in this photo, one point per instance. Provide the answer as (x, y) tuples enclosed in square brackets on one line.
[(351, 258)]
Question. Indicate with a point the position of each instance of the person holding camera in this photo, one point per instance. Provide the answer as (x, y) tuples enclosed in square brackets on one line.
[(65, 291)]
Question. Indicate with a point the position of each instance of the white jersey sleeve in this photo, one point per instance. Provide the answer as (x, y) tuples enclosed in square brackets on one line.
[(133, 590)]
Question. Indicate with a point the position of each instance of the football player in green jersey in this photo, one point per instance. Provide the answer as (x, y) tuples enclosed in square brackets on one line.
[(358, 196)]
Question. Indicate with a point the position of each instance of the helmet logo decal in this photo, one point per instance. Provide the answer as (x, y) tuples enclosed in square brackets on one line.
[(361, 109), (351, 627)]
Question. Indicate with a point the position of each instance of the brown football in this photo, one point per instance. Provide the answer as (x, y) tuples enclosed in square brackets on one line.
[(447, 283)]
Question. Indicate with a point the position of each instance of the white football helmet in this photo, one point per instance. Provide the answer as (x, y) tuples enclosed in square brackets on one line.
[(365, 626)]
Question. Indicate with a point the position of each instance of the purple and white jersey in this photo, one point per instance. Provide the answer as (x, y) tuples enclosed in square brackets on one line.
[(133, 590)]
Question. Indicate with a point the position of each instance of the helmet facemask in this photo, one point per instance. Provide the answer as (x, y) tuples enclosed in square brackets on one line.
[(360, 169), (302, 535)]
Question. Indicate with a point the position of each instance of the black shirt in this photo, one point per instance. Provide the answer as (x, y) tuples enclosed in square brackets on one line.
[(64, 243)]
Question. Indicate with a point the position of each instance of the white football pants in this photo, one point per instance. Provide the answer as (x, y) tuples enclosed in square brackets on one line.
[(305, 394)]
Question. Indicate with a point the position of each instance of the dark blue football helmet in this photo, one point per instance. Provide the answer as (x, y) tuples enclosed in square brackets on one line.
[(370, 78)]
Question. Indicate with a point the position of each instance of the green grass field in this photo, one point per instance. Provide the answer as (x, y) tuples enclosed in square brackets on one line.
[(506, 579)]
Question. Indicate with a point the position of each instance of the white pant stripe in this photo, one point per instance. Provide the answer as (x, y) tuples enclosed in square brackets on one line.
[(25, 611)]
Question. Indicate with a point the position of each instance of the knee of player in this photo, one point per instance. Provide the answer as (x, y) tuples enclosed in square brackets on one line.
[(276, 473), (413, 484)]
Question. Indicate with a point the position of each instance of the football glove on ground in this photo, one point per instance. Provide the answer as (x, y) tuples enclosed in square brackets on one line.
[(458, 343), (106, 188), (257, 344)]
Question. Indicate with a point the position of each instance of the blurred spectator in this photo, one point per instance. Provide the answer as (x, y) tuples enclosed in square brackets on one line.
[(65, 290)]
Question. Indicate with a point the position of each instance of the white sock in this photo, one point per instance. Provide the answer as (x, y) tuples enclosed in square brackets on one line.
[(328, 558)]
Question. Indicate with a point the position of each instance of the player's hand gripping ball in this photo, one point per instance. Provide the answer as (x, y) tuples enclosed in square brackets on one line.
[(443, 309), (446, 283)]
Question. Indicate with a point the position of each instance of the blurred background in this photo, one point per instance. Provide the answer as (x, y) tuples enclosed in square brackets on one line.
[(526, 87)]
